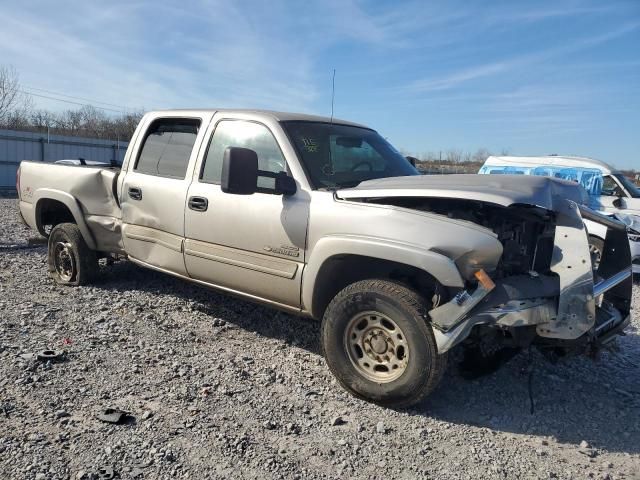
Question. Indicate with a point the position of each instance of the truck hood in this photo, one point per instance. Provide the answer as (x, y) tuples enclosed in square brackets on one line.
[(505, 190)]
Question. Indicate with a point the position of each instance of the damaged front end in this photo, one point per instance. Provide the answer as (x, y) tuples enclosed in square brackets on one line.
[(561, 302), (544, 288)]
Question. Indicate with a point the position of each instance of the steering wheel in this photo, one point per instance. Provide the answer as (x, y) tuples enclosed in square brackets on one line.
[(359, 164)]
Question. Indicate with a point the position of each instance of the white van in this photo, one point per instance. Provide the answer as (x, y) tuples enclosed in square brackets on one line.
[(608, 190)]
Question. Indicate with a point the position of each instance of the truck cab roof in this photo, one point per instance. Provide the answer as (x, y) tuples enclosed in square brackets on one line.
[(270, 114), (550, 160)]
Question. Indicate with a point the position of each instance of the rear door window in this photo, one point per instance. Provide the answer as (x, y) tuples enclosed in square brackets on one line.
[(167, 147)]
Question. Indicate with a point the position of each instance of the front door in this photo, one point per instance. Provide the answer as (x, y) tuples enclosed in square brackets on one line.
[(611, 192), (254, 244), (154, 192)]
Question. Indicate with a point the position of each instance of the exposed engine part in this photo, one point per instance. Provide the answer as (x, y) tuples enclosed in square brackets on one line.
[(526, 232)]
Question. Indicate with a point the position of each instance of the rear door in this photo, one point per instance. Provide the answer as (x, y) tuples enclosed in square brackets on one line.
[(154, 192), (252, 244)]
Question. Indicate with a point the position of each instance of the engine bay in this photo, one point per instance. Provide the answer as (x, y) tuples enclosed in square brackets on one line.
[(525, 232)]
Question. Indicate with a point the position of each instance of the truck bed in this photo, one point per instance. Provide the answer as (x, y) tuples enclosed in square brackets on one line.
[(87, 191)]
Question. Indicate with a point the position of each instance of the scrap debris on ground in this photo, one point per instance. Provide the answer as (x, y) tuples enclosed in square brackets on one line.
[(216, 387)]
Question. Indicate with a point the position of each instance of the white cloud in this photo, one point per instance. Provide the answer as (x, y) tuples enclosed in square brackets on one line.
[(149, 54), (145, 54), (454, 79)]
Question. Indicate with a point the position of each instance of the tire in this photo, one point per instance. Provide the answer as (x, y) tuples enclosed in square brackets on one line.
[(596, 247), (70, 260), (352, 324)]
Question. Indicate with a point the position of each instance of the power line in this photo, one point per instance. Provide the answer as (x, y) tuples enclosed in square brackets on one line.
[(71, 102), (77, 98)]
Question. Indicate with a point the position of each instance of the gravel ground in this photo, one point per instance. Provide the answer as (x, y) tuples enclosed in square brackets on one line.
[(222, 388)]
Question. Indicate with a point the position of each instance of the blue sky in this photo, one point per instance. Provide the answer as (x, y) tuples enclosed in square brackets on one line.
[(528, 77)]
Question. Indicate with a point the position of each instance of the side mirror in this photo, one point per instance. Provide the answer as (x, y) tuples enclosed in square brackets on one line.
[(285, 185), (239, 171), (412, 160), (619, 203)]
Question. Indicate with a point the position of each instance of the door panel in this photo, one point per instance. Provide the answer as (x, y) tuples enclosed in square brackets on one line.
[(154, 191), (241, 258), (253, 244), (153, 227)]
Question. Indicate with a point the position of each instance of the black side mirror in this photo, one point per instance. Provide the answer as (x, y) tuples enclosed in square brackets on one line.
[(239, 171), (412, 160), (619, 202), (285, 185)]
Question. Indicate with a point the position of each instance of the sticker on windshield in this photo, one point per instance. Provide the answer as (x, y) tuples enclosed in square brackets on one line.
[(310, 145)]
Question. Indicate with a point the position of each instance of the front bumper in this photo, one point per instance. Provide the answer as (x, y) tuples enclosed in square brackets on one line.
[(566, 307)]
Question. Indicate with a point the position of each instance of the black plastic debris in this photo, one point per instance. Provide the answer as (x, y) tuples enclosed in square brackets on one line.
[(51, 355), (37, 241), (106, 473), (116, 416)]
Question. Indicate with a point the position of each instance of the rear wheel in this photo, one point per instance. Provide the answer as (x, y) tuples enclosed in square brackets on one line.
[(71, 261), (378, 345)]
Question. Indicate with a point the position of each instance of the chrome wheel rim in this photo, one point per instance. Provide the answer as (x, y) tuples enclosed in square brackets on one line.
[(376, 347), (64, 261)]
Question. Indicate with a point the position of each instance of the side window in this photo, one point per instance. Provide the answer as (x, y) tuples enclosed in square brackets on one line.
[(167, 147), (610, 187), (240, 133)]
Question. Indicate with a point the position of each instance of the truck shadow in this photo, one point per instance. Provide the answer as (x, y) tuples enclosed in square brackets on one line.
[(575, 399), (268, 322)]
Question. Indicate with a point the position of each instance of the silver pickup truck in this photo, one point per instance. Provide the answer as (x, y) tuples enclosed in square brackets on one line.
[(325, 219)]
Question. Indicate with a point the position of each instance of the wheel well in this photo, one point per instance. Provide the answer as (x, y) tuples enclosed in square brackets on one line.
[(50, 213), (339, 271)]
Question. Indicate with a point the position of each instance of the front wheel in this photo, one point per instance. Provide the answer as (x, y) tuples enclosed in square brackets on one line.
[(377, 343), (71, 261), (596, 247)]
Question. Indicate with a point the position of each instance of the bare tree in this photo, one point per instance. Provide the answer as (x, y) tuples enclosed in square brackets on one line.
[(481, 155), (42, 119), (17, 113), (9, 90), (454, 156)]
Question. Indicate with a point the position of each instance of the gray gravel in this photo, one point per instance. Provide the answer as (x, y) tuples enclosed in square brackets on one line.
[(222, 388)]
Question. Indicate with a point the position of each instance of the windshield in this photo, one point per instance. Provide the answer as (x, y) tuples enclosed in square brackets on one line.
[(628, 185), (336, 156)]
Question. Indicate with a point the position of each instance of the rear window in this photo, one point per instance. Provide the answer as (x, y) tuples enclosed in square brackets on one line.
[(167, 147)]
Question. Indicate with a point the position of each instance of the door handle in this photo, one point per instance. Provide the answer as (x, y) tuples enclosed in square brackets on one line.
[(199, 204), (135, 193)]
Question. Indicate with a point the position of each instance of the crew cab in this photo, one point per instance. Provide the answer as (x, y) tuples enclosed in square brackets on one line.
[(325, 219)]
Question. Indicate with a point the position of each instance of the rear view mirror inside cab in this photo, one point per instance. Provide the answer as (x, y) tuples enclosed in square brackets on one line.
[(349, 142)]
